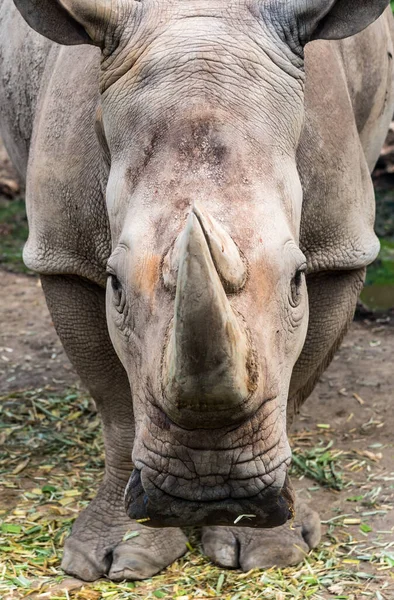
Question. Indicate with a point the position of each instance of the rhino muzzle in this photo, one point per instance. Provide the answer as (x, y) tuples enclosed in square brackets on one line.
[(209, 369)]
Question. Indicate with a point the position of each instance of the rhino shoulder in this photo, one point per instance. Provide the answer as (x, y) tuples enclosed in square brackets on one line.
[(68, 225), (336, 154)]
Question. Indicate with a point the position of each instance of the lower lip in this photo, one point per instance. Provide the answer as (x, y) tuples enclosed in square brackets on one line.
[(169, 511)]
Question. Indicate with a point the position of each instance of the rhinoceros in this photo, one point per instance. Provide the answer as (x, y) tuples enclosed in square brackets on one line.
[(201, 215)]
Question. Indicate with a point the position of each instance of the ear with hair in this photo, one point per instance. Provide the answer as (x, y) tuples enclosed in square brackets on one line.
[(336, 19), (68, 21)]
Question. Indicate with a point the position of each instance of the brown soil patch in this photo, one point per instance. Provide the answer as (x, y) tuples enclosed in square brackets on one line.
[(31, 355)]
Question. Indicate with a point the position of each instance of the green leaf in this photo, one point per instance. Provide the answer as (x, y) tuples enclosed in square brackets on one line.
[(48, 488), (220, 582), (21, 581), (10, 528), (365, 528), (129, 535), (34, 529), (389, 559), (159, 594)]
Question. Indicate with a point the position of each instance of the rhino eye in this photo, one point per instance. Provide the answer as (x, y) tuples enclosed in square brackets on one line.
[(118, 293), (115, 283), (296, 287)]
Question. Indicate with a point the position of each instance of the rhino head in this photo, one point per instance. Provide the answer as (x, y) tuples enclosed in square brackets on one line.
[(202, 108)]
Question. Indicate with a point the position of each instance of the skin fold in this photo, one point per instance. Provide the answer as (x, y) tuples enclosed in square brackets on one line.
[(201, 215)]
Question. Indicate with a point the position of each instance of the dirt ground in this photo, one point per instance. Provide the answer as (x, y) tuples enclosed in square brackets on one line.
[(31, 353), (352, 407)]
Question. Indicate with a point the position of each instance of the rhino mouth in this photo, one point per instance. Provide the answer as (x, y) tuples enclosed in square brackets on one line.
[(268, 508)]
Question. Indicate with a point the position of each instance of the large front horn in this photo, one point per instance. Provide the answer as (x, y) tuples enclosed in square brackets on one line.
[(209, 370)]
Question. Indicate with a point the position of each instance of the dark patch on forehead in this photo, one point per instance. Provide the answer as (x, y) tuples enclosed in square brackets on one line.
[(200, 140), (195, 141), (134, 172)]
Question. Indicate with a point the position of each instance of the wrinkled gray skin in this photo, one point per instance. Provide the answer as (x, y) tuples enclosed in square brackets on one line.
[(218, 169)]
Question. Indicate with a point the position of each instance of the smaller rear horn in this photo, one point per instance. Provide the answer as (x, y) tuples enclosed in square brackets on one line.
[(229, 264)]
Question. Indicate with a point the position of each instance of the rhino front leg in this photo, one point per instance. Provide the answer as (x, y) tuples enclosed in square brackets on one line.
[(332, 300), (96, 546)]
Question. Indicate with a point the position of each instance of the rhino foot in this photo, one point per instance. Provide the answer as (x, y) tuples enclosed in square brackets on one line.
[(246, 548), (105, 542)]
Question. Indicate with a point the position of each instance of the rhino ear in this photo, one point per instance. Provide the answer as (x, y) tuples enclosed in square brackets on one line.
[(68, 21), (337, 19)]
